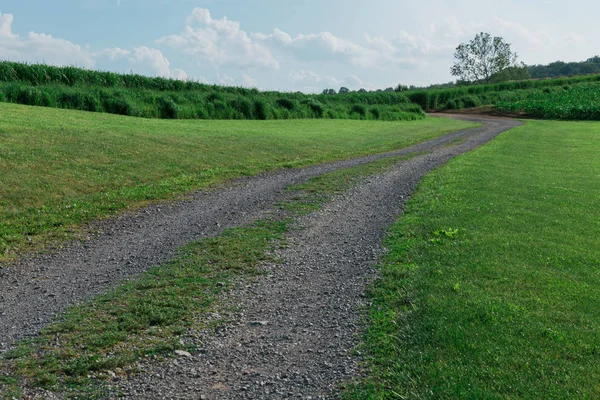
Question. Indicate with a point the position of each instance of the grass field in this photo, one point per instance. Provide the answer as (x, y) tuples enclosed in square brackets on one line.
[(60, 168), (491, 288)]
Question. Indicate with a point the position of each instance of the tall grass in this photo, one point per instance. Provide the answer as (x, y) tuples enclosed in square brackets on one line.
[(140, 96)]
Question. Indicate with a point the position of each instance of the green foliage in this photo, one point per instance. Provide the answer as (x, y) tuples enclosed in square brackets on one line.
[(135, 95), (286, 103), (579, 102), (454, 98), (509, 307), (559, 68), (482, 58), (167, 108), (359, 109)]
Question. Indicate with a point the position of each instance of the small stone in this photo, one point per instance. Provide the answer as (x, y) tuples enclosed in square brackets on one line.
[(258, 323), (183, 353)]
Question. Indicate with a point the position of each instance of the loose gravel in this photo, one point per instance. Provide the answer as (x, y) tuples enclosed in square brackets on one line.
[(294, 327)]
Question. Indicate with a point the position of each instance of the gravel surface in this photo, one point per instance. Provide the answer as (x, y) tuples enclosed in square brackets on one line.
[(295, 325)]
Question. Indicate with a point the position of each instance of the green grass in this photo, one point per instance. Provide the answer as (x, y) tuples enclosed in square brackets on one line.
[(62, 168), (135, 95), (491, 287), (163, 309)]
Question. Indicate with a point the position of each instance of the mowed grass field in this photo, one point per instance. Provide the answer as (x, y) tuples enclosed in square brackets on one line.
[(491, 288), (61, 168)]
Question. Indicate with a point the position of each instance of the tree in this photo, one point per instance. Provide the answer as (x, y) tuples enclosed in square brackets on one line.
[(329, 91), (482, 58), (344, 90), (401, 88)]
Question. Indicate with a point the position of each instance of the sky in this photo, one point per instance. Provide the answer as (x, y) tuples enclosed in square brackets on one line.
[(290, 45)]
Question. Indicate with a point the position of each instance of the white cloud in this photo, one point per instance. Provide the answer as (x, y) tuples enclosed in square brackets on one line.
[(312, 81), (40, 47), (375, 53), (220, 41), (113, 54), (179, 74), (514, 30), (154, 58), (6, 21), (305, 77), (249, 81), (225, 79)]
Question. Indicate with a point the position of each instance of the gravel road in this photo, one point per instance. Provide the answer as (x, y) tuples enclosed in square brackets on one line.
[(306, 308)]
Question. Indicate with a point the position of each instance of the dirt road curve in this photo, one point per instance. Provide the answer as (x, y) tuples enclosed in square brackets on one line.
[(310, 302)]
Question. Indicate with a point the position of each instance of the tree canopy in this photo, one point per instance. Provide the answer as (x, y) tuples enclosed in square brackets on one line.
[(482, 58)]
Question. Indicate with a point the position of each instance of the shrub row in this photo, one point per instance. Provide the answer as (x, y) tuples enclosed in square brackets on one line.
[(203, 104)]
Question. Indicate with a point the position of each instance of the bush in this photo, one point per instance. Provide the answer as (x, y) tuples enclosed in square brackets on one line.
[(261, 110), (286, 103), (375, 113), (358, 109), (167, 108), (315, 106), (244, 107)]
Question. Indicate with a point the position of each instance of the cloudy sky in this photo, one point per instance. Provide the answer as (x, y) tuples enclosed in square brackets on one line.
[(305, 45)]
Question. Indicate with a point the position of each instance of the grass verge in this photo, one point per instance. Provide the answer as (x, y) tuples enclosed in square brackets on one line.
[(149, 316), (491, 286), (60, 169)]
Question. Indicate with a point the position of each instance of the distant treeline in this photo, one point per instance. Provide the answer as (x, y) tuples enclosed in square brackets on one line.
[(559, 68), (140, 96)]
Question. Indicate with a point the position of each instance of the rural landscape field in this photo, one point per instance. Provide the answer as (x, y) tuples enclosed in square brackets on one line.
[(298, 215)]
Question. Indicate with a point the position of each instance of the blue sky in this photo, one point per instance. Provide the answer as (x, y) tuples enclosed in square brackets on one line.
[(302, 45)]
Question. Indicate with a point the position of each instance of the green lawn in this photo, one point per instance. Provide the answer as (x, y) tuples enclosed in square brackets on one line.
[(491, 288), (59, 168)]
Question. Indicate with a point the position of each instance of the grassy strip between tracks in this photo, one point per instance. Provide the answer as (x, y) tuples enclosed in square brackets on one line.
[(491, 287), (163, 310), (60, 168)]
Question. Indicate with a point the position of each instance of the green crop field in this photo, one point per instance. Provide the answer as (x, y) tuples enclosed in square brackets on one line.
[(578, 102), (469, 96), (60, 168), (140, 96), (491, 288)]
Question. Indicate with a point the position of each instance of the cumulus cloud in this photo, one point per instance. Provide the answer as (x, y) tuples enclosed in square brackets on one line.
[(309, 80), (36, 47), (179, 74), (324, 46), (219, 41), (113, 54), (153, 57), (249, 81), (225, 79), (518, 31)]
